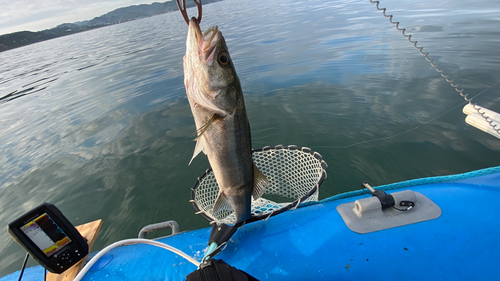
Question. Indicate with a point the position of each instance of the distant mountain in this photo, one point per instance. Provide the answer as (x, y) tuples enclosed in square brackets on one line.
[(22, 38), (135, 12)]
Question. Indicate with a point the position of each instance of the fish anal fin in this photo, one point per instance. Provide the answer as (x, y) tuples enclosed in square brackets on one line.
[(260, 183), (200, 145), (222, 203)]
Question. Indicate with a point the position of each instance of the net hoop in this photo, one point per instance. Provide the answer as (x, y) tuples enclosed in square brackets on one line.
[(294, 174)]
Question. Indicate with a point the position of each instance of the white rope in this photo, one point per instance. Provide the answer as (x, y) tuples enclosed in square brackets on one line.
[(131, 242)]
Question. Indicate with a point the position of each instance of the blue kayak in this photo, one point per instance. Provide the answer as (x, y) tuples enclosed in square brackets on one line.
[(455, 238)]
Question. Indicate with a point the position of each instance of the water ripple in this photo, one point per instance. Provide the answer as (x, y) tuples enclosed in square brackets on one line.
[(99, 120)]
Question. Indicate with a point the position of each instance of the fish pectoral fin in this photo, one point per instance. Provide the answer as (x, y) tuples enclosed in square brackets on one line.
[(205, 126), (200, 141), (260, 183), (222, 203), (200, 146)]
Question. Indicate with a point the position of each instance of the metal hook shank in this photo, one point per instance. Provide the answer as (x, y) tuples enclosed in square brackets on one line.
[(182, 9)]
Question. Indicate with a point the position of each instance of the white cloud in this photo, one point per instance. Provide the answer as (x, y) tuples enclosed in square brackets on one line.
[(36, 15)]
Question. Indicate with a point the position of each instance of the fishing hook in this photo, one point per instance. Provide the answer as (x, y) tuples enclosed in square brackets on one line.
[(182, 9)]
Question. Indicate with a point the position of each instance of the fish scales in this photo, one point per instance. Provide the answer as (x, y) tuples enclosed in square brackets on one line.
[(216, 101)]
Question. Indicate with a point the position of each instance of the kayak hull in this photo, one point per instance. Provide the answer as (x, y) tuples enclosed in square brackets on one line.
[(313, 242)]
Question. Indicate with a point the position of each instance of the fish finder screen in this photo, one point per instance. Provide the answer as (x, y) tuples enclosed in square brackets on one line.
[(46, 234)]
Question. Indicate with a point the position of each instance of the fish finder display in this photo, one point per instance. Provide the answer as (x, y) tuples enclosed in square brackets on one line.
[(46, 234), (49, 237)]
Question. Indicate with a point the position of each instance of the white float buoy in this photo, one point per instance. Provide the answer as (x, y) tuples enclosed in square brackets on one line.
[(477, 120)]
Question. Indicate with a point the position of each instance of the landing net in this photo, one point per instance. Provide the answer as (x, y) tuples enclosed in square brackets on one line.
[(294, 174)]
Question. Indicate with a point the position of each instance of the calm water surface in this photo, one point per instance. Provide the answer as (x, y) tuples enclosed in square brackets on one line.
[(98, 123)]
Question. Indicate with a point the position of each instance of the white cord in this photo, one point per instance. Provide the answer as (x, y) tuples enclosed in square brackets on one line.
[(86, 268)]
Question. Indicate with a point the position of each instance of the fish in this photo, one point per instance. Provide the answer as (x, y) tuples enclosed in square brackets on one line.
[(223, 132)]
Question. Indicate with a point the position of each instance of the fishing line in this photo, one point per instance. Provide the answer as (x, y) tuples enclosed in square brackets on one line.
[(436, 66), (485, 90), (441, 72), (409, 130)]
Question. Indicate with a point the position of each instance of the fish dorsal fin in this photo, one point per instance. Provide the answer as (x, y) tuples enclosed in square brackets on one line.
[(260, 183), (222, 203), (200, 145)]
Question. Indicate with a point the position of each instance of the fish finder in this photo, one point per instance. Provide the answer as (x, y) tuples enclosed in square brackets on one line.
[(48, 236)]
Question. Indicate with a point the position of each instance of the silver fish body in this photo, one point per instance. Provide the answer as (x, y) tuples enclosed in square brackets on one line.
[(216, 100)]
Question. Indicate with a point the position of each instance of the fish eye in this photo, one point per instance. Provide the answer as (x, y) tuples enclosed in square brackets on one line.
[(223, 59)]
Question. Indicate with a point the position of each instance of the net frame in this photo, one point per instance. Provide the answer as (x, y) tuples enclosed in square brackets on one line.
[(295, 173)]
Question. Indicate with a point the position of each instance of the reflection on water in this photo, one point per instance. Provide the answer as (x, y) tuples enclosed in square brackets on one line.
[(98, 122)]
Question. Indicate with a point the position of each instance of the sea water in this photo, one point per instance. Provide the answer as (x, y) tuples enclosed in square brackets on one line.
[(98, 122)]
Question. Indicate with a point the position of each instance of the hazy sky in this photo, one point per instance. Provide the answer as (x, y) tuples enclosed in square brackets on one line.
[(36, 15)]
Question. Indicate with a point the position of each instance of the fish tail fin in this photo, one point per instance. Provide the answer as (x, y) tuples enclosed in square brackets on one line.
[(260, 183), (222, 203)]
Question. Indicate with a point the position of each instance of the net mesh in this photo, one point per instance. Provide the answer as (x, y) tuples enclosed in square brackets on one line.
[(294, 174)]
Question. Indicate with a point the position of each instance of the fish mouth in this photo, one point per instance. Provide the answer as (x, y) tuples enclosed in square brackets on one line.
[(203, 43)]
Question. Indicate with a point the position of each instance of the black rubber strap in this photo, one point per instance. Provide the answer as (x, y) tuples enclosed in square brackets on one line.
[(218, 270)]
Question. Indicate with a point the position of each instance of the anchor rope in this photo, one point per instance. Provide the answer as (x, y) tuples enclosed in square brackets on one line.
[(436, 66)]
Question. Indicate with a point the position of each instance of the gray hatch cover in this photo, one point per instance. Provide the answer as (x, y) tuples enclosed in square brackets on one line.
[(366, 215)]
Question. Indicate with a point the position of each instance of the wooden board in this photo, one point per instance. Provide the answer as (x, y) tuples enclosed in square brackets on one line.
[(89, 231)]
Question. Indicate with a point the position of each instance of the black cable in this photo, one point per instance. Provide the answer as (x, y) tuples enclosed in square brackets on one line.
[(24, 266)]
